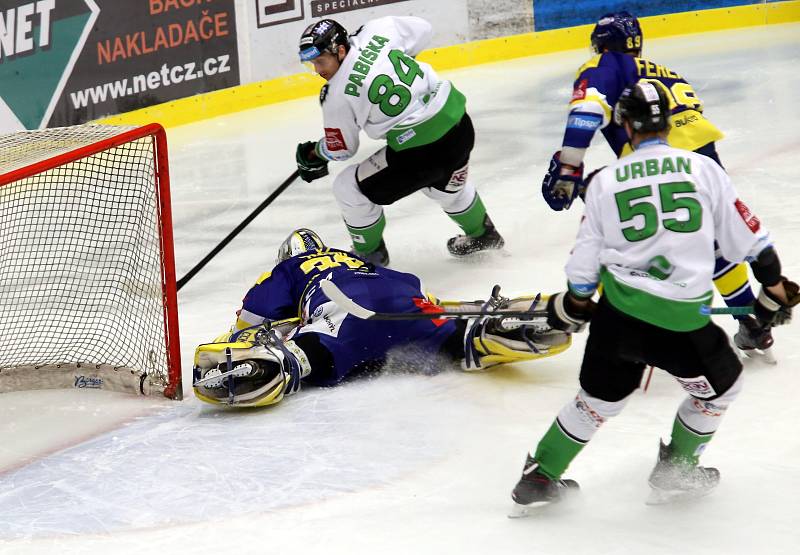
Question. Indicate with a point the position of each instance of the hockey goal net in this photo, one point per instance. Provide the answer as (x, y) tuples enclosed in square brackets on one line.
[(87, 273)]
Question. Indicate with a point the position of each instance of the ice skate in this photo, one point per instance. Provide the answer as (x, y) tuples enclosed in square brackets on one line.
[(676, 480), (534, 489), (754, 340), (378, 257), (464, 245)]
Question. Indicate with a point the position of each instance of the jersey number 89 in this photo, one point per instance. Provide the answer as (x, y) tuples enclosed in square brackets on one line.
[(634, 42), (383, 89)]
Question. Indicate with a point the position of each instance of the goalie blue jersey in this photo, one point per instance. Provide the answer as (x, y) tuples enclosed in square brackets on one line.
[(291, 290), (598, 86)]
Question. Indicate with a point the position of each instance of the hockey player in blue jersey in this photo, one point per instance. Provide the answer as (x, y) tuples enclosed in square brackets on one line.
[(617, 41), (288, 330)]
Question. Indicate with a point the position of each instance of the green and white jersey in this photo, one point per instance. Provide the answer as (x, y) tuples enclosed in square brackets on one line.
[(383, 90), (648, 234)]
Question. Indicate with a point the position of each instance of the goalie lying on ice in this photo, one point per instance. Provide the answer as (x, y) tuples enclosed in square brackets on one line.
[(288, 331)]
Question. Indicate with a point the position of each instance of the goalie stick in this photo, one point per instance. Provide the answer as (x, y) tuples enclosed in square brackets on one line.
[(509, 319)]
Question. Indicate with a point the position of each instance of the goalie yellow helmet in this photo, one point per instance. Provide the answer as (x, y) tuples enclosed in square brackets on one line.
[(299, 241)]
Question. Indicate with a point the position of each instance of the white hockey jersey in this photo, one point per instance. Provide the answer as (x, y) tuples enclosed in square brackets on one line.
[(383, 90), (648, 234)]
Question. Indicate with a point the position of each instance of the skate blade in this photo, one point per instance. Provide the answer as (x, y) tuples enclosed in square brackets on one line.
[(665, 497), (521, 511), (766, 356), (479, 256)]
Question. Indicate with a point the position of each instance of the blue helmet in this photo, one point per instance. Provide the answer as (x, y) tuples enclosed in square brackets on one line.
[(617, 32)]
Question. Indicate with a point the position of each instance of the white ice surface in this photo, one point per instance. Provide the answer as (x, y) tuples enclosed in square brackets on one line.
[(408, 462)]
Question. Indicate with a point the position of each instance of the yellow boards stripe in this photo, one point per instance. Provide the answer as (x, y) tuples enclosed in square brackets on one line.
[(253, 95)]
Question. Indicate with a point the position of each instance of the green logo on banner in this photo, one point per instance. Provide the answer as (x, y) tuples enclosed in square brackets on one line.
[(39, 44)]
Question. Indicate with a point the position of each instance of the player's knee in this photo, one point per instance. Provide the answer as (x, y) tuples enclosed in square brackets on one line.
[(703, 415), (718, 384), (733, 391), (345, 187), (583, 416)]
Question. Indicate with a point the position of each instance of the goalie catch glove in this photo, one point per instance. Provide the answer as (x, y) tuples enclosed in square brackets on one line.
[(310, 165), (251, 368), (769, 310), (562, 184), (569, 314)]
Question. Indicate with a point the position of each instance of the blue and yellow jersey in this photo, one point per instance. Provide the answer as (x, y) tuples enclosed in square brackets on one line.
[(598, 86), (290, 290)]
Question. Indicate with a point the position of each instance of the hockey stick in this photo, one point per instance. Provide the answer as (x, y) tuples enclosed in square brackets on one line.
[(732, 310), (267, 201), (335, 294)]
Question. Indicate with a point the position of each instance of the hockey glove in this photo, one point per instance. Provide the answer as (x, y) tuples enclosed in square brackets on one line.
[(562, 184), (566, 313), (771, 311), (310, 165)]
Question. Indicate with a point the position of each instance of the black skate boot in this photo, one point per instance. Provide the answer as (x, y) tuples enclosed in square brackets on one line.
[(463, 245), (534, 489), (754, 340), (675, 479), (378, 257)]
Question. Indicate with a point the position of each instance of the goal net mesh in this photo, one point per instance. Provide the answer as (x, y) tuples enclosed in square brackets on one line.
[(80, 254)]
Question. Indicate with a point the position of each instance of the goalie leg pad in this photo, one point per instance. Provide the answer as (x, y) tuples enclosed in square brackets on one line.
[(490, 345)]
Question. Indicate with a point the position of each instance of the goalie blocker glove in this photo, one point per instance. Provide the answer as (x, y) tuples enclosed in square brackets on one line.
[(566, 313), (309, 165)]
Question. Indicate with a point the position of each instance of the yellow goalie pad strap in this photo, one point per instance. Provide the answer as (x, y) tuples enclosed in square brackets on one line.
[(496, 353), (732, 280)]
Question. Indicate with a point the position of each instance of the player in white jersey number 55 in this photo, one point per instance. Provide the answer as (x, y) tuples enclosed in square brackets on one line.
[(647, 235), (375, 84)]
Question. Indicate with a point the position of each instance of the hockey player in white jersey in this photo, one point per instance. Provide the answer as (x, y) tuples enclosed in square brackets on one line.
[(375, 84), (647, 235)]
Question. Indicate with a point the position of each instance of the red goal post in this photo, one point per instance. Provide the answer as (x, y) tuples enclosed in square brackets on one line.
[(87, 267)]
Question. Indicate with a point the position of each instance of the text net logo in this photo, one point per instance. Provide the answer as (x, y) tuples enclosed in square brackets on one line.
[(37, 41), (275, 12)]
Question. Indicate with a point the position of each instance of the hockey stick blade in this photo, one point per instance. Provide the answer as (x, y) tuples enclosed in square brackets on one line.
[(336, 295), (732, 310)]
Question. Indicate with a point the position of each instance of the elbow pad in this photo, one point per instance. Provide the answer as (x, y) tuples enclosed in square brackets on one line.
[(767, 267)]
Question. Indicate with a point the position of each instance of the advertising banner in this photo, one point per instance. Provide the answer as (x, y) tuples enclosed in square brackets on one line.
[(274, 26), (64, 62)]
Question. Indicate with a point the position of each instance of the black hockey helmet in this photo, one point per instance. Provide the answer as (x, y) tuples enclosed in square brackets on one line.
[(299, 241), (325, 35), (645, 106), (617, 32)]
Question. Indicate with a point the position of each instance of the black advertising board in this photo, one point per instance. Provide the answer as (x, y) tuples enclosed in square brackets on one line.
[(64, 62)]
